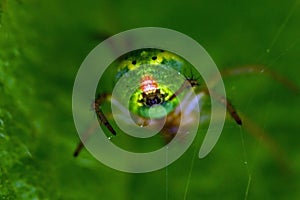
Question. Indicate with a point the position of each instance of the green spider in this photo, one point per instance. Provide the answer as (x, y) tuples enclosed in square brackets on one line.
[(158, 88), (151, 74)]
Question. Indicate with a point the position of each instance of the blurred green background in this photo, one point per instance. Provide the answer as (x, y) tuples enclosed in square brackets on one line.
[(42, 45)]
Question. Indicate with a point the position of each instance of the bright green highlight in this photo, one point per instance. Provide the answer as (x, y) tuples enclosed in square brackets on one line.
[(158, 62)]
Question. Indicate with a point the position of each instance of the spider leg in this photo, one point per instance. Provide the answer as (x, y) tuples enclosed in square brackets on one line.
[(230, 109), (249, 69), (101, 119), (100, 115), (189, 82), (269, 143), (257, 69), (251, 127), (86, 135)]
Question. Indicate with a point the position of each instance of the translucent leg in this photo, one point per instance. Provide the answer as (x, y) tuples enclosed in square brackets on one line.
[(270, 144), (101, 119), (230, 109), (251, 127), (257, 69), (188, 83)]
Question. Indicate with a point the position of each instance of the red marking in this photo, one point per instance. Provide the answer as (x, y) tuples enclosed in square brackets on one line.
[(148, 84)]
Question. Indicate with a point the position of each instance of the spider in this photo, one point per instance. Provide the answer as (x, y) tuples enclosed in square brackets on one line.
[(152, 90)]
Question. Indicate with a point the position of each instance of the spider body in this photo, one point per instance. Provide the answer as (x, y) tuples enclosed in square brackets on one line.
[(155, 85)]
